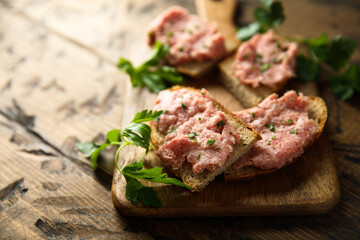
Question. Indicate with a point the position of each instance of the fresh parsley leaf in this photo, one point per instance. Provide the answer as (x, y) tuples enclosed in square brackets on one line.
[(307, 69), (136, 133), (95, 154), (210, 142), (339, 52), (87, 148), (345, 85), (270, 15), (151, 73), (135, 191), (152, 175), (247, 32)]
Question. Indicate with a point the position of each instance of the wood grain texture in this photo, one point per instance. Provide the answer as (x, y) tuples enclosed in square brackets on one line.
[(73, 46)]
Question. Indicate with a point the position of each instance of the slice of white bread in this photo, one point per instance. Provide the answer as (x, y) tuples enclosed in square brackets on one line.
[(247, 95), (317, 111), (200, 69), (248, 137)]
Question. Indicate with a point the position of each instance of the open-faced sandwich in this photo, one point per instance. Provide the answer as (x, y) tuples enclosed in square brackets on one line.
[(261, 66), (288, 125), (197, 137), (195, 45)]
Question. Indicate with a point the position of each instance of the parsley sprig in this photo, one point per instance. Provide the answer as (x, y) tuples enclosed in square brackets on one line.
[(136, 133), (270, 15), (152, 74), (334, 54), (323, 54)]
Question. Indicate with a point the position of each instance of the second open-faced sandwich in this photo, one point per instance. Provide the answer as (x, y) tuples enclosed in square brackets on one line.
[(261, 66), (288, 125)]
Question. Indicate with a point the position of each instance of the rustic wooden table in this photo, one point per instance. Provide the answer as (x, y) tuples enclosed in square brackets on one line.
[(59, 85)]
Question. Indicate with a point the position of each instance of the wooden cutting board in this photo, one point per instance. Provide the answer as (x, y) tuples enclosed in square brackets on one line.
[(308, 186)]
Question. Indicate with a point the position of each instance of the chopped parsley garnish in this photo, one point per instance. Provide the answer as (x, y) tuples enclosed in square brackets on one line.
[(173, 129), (230, 132), (289, 122), (210, 142), (258, 55), (202, 93), (181, 49), (183, 106), (253, 115), (273, 137), (265, 67), (199, 118), (193, 134), (268, 143), (198, 157), (217, 148), (270, 126), (194, 141), (221, 123), (246, 56), (294, 131), (169, 34), (244, 144), (136, 133)]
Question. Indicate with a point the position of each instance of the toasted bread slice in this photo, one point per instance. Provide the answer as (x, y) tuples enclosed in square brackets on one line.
[(247, 95), (248, 137), (200, 69), (317, 112)]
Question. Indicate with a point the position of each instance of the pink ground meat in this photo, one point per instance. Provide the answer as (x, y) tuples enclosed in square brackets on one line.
[(189, 38), (196, 132), (264, 61), (284, 126)]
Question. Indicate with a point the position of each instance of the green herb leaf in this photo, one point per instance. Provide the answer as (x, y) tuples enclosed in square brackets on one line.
[(289, 122), (183, 106), (265, 67), (152, 175), (307, 69), (345, 85), (135, 191), (247, 32), (339, 52), (210, 142), (294, 131), (151, 74), (87, 148), (136, 133)]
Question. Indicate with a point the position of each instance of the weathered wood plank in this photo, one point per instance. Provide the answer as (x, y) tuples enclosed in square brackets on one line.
[(97, 49)]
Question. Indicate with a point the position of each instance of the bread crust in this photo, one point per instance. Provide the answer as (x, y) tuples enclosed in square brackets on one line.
[(248, 138), (317, 111)]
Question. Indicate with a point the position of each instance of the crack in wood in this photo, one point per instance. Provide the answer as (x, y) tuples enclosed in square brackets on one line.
[(85, 211), (68, 229), (11, 193), (54, 166), (20, 61), (65, 201), (51, 186), (17, 114), (38, 152), (6, 86), (53, 85)]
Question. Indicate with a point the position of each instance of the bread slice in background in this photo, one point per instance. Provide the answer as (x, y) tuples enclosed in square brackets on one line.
[(248, 137), (317, 111), (200, 69), (247, 95)]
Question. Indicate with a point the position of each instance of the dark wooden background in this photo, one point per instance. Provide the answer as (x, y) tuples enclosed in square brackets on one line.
[(59, 85)]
